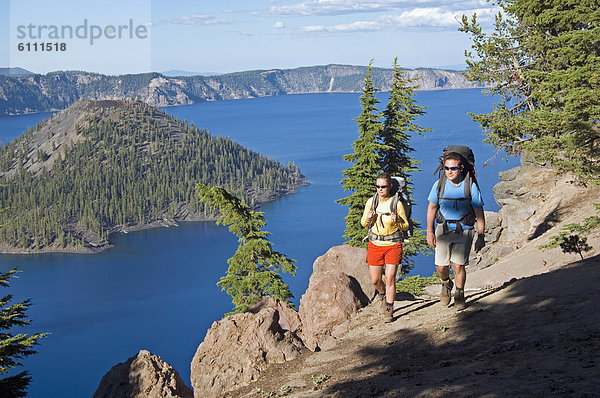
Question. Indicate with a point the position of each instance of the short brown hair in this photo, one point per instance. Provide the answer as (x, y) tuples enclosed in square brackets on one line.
[(384, 176)]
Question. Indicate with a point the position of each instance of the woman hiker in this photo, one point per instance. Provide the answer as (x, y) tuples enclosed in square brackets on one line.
[(385, 241)]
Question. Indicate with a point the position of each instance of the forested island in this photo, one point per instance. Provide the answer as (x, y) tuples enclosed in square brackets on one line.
[(107, 166), (22, 93)]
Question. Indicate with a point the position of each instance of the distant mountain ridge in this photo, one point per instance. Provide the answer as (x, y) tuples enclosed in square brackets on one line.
[(15, 72), (57, 90)]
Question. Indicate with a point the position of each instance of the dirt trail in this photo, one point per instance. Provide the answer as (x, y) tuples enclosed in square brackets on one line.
[(536, 336)]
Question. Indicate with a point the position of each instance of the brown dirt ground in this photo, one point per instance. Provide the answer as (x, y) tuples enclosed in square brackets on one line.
[(536, 336)]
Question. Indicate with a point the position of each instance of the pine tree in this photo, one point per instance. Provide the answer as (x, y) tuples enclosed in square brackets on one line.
[(399, 120), (542, 61), (254, 270), (13, 348), (365, 161)]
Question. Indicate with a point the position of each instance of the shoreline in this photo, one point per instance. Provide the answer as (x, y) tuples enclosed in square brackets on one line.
[(162, 223), (54, 110)]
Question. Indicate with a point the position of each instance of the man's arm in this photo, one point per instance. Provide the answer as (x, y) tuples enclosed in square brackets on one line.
[(480, 226), (432, 209)]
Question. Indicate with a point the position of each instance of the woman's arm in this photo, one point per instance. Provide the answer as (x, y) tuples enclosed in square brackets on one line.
[(365, 221)]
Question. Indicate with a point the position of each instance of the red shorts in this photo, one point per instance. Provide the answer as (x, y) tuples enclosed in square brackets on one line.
[(380, 255)]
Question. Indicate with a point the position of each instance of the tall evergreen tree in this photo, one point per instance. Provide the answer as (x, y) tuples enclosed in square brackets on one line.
[(542, 61), (254, 270), (365, 161), (399, 121), (13, 348)]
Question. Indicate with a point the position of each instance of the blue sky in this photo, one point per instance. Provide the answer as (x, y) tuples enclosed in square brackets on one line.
[(136, 36)]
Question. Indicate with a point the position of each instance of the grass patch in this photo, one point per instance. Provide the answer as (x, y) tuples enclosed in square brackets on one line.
[(415, 284)]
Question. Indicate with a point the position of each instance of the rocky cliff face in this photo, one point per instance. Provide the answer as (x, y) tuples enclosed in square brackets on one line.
[(57, 90), (535, 202), (236, 349)]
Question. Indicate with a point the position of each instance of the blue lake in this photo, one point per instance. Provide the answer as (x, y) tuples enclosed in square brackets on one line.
[(156, 289)]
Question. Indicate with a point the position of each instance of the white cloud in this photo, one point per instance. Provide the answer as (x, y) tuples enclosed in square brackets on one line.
[(339, 7), (434, 17), (278, 25), (314, 28), (197, 19)]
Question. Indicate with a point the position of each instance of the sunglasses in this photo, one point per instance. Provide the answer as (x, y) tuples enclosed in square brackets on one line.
[(382, 186), (453, 168)]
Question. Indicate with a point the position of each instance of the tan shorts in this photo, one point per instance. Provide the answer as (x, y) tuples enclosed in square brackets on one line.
[(452, 247)]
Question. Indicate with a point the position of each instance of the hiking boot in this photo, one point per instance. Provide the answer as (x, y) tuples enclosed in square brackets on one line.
[(388, 314), (446, 292), (459, 299)]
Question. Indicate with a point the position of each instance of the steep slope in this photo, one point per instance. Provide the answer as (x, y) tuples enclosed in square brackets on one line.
[(537, 336), (530, 327), (57, 90), (105, 166)]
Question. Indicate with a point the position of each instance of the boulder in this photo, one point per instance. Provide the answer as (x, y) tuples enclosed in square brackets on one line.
[(288, 316), (350, 260), (237, 348), (330, 300), (145, 376)]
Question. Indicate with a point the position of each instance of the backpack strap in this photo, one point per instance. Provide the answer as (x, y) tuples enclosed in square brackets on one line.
[(467, 219), (397, 236)]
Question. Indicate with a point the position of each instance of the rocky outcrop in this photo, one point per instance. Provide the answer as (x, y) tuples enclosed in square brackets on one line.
[(533, 199), (288, 316), (143, 376), (237, 348), (329, 301), (350, 260)]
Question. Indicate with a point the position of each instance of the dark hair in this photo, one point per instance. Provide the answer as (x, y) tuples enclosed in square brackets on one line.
[(384, 176), (455, 156)]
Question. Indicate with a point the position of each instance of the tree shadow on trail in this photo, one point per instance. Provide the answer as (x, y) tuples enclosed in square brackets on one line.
[(552, 219), (538, 336)]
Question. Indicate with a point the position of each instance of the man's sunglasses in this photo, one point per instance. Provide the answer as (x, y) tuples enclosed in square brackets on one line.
[(453, 168)]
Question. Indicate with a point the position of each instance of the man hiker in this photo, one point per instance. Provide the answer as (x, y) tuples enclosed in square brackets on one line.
[(456, 204)]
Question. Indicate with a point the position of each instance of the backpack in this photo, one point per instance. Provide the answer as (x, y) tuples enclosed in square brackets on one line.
[(399, 190), (468, 160)]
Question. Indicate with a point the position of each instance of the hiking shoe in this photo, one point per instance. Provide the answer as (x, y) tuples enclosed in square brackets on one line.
[(446, 292), (459, 299), (388, 314)]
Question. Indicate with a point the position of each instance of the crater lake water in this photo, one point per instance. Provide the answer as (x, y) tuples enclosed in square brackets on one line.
[(156, 289)]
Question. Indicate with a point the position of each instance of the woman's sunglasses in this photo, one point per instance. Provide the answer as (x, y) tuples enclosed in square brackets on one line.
[(382, 186), (453, 168)]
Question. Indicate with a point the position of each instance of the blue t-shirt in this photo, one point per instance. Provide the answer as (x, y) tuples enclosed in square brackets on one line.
[(456, 209)]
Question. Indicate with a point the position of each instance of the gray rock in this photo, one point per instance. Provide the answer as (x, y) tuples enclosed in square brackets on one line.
[(288, 316), (492, 220), (238, 348), (142, 376), (330, 300), (510, 174), (350, 260)]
